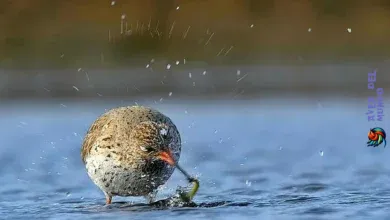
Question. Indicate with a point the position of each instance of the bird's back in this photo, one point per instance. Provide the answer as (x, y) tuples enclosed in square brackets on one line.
[(119, 122)]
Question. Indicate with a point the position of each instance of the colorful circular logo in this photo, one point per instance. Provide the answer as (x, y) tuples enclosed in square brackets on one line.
[(376, 137)]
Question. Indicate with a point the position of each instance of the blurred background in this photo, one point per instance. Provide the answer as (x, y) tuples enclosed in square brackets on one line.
[(311, 44)]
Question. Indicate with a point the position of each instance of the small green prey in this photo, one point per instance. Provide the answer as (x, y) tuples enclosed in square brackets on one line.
[(188, 196)]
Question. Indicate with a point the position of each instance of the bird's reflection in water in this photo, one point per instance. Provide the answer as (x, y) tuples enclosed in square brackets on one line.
[(167, 204), (172, 202), (175, 203)]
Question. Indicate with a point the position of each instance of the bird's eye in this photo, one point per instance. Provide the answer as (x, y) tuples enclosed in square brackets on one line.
[(147, 148)]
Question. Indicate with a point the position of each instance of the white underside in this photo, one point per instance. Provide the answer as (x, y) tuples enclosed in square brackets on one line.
[(117, 180)]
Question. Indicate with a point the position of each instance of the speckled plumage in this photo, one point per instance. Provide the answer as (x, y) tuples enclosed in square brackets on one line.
[(120, 151)]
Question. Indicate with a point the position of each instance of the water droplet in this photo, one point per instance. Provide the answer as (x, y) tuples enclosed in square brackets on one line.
[(349, 30), (190, 75), (309, 30), (238, 72), (147, 65), (248, 183), (252, 25), (123, 16), (321, 153), (178, 7), (215, 131), (163, 131), (170, 94), (204, 73), (168, 66), (112, 3), (177, 62)]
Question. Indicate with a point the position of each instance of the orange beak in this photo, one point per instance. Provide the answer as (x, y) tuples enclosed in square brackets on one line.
[(167, 157)]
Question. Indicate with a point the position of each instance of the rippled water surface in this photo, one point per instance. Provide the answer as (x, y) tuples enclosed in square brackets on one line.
[(259, 159)]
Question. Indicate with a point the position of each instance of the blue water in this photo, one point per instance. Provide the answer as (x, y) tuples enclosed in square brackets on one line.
[(257, 159)]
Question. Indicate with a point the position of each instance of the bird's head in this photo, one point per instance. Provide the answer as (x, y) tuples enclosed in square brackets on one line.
[(152, 141)]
